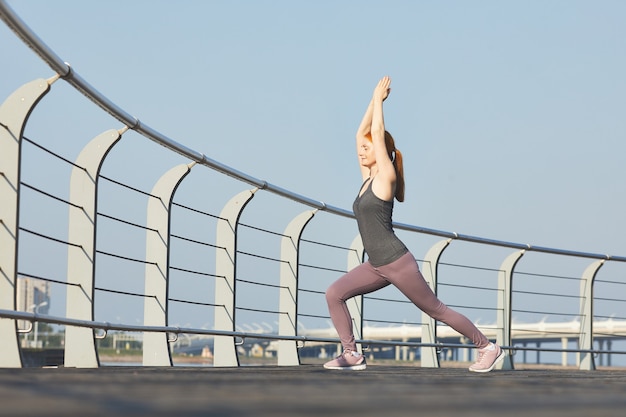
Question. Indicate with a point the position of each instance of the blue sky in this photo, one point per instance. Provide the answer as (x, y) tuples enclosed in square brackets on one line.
[(510, 115)]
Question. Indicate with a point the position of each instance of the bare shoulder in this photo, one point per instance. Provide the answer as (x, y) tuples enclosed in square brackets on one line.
[(384, 186)]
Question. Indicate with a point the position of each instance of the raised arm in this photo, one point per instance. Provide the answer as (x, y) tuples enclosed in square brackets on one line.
[(384, 186), (362, 133), (365, 128), (366, 123)]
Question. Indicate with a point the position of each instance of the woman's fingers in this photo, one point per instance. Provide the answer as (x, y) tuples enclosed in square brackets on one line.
[(383, 87)]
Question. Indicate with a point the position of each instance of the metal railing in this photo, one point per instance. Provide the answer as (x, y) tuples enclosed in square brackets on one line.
[(247, 279)]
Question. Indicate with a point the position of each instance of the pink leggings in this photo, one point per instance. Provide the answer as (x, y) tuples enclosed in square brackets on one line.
[(404, 273)]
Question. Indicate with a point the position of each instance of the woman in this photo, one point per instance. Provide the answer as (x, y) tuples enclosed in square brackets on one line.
[(389, 260)]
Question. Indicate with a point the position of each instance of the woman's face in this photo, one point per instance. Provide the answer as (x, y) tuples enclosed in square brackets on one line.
[(366, 153)]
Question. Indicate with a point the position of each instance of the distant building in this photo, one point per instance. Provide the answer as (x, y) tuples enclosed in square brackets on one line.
[(32, 294)]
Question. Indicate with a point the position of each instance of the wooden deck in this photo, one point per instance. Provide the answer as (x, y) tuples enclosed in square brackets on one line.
[(309, 390)]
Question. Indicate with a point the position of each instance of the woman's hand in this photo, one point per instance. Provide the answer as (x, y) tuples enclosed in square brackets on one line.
[(382, 90)]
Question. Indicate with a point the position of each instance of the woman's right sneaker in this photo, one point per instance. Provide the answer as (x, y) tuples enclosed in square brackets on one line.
[(488, 358), (349, 360)]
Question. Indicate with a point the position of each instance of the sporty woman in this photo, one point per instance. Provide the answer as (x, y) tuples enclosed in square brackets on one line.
[(389, 260)]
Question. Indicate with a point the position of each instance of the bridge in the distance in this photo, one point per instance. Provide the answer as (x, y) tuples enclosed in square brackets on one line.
[(401, 342)]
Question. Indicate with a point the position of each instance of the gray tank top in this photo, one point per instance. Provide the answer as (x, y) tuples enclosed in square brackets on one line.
[(373, 217)]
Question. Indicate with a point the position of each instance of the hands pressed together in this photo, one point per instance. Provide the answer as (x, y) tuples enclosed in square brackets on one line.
[(382, 90)]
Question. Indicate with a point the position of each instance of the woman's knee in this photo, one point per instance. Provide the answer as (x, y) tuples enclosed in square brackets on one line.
[(332, 295)]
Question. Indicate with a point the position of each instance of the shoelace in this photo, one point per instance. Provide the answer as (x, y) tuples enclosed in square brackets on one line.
[(481, 356), (345, 353)]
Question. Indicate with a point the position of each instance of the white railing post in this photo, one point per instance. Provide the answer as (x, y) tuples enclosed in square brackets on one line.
[(156, 350), (224, 349), (429, 357), (288, 302), (503, 312), (80, 346), (586, 360), (14, 114)]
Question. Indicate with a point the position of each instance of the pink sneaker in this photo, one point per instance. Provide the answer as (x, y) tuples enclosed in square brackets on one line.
[(349, 360), (488, 358)]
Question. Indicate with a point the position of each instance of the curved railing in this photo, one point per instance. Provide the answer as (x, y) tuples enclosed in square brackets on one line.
[(288, 267)]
